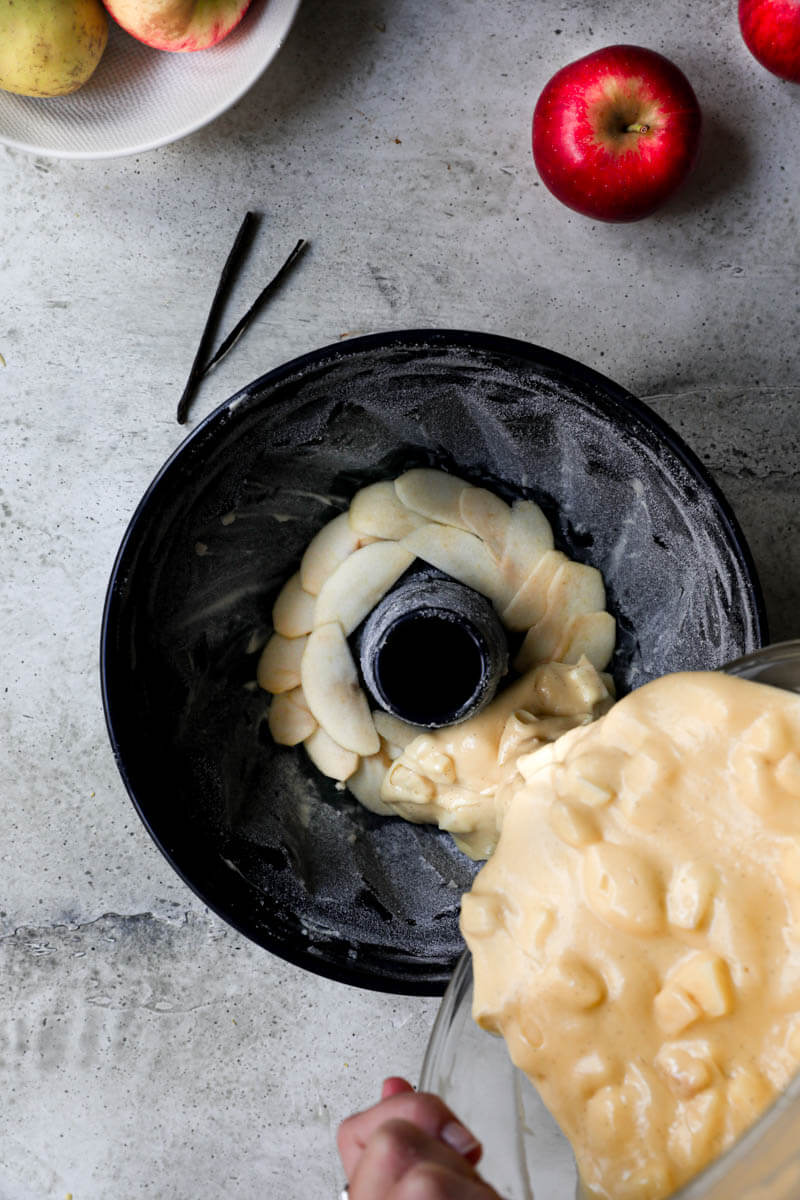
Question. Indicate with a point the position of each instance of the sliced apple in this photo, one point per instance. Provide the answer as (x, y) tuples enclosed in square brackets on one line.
[(529, 603), (459, 554), (396, 733), (365, 783), (290, 720), (331, 546), (529, 536), (357, 584), (329, 757), (293, 611), (330, 682), (279, 665), (593, 635), (488, 517), (378, 510), (575, 590), (434, 494)]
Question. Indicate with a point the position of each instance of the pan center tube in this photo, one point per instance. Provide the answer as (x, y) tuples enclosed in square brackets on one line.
[(433, 651)]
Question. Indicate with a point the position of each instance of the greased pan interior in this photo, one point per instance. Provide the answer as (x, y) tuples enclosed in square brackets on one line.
[(268, 843)]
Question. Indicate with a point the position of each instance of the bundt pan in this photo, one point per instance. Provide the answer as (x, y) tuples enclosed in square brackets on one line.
[(253, 828)]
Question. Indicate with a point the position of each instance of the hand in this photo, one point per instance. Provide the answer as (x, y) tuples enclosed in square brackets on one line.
[(410, 1146)]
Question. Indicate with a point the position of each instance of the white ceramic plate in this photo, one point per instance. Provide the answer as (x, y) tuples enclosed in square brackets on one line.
[(140, 98)]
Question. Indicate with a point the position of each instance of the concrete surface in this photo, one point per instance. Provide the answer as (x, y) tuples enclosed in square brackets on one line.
[(146, 1050)]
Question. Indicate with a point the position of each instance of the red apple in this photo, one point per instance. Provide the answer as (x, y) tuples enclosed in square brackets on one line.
[(771, 30), (178, 24), (615, 133)]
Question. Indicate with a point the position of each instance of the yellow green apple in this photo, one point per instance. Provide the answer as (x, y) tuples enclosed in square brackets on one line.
[(50, 47)]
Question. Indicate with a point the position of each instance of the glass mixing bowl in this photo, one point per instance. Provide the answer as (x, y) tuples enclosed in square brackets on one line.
[(525, 1154)]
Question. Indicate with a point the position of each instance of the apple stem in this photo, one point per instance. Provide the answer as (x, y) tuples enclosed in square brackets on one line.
[(637, 128)]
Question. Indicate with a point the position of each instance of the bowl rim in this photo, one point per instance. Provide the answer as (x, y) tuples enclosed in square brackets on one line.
[(430, 340)]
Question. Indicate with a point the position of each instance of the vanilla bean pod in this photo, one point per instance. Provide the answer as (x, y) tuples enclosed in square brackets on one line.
[(226, 279), (241, 326)]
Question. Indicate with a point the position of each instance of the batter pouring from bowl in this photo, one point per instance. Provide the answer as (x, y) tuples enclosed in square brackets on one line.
[(635, 936), (646, 973)]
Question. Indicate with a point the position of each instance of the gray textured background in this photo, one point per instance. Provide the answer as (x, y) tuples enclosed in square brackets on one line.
[(146, 1050)]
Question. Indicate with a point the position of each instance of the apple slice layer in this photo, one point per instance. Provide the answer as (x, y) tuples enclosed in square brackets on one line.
[(293, 611), (459, 554), (528, 604), (575, 590), (290, 720), (329, 757), (378, 510), (279, 664), (332, 691), (434, 494), (488, 517), (335, 542), (396, 733), (528, 537), (504, 551), (357, 584)]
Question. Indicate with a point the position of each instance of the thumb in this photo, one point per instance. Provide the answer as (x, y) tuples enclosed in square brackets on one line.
[(393, 1086)]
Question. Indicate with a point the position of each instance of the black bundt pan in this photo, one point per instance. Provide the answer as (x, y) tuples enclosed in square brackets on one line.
[(260, 836)]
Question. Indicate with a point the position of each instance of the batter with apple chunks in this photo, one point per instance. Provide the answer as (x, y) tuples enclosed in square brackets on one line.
[(646, 973)]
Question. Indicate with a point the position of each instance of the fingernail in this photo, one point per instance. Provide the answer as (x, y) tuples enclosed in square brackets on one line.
[(394, 1086), (458, 1138)]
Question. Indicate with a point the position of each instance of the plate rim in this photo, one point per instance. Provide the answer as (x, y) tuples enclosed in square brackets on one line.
[(242, 87)]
